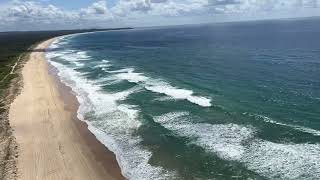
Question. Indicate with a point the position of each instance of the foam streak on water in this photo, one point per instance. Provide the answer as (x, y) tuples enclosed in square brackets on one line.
[(160, 86), (296, 127), (237, 143), (223, 139)]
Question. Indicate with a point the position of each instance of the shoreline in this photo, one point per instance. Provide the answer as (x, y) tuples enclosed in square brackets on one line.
[(102, 154), (72, 151)]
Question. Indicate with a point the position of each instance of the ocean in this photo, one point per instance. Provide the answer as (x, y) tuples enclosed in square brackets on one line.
[(217, 101)]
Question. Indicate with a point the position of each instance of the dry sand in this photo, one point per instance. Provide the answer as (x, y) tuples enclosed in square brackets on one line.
[(52, 143)]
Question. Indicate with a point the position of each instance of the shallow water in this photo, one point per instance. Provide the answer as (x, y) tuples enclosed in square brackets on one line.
[(234, 100)]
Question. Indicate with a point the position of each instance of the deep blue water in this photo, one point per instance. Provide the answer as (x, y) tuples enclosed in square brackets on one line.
[(220, 101)]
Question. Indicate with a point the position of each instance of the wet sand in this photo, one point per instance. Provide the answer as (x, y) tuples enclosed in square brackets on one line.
[(52, 142)]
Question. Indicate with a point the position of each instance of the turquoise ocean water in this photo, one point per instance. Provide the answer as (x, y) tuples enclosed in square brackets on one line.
[(220, 101)]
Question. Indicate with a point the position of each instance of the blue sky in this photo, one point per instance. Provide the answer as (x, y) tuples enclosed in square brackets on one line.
[(71, 14)]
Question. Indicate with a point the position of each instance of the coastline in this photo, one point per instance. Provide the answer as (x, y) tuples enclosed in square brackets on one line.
[(52, 142)]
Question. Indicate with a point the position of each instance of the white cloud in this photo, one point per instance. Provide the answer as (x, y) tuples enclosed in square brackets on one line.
[(130, 8), (174, 8), (34, 11), (98, 11), (256, 6), (97, 8), (34, 14)]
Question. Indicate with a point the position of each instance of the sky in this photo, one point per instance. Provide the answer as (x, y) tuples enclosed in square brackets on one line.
[(73, 14)]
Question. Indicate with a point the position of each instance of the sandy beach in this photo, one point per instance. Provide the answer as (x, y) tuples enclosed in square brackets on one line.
[(52, 143)]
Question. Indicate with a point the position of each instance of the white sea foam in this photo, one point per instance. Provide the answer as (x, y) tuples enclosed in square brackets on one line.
[(307, 130), (127, 153), (75, 56), (132, 77), (55, 54), (112, 123), (125, 70), (104, 64), (165, 98), (177, 93), (160, 86), (296, 127), (284, 161), (128, 74), (109, 81), (82, 54), (238, 143), (223, 139), (78, 64), (53, 45), (69, 55)]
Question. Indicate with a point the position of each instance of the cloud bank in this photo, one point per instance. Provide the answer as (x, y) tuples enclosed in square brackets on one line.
[(36, 15)]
